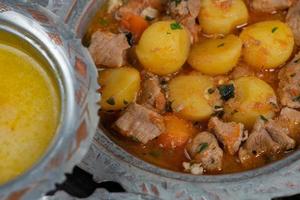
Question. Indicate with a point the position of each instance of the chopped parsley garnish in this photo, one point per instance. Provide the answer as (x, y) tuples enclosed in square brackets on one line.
[(168, 33), (175, 26), (125, 102), (274, 29), (226, 91), (263, 118), (129, 38), (202, 147), (103, 22), (176, 2), (297, 98), (211, 90), (221, 45), (111, 101)]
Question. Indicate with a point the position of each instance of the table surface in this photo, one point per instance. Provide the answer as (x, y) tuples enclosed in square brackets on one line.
[(81, 184)]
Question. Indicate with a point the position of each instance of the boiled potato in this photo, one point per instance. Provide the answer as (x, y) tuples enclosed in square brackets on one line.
[(164, 47), (216, 56), (253, 98), (119, 87), (221, 17), (267, 44), (178, 131), (189, 96)]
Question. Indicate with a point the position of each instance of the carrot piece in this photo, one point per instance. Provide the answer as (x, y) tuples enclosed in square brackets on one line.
[(178, 132), (135, 24)]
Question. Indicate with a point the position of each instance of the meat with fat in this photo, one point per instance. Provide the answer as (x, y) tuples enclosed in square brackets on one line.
[(289, 79), (259, 143), (186, 13), (204, 149), (230, 134), (140, 123), (293, 20), (151, 94), (290, 118), (270, 6), (138, 7), (108, 49), (279, 134)]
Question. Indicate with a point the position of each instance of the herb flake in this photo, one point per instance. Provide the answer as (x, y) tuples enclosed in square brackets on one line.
[(175, 26), (263, 118), (202, 147), (103, 22), (125, 102), (226, 91), (221, 45), (111, 101), (274, 29)]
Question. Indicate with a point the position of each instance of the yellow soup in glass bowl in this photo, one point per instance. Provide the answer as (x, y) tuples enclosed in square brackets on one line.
[(29, 108)]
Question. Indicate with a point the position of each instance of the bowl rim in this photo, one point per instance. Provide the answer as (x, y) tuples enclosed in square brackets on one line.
[(120, 153), (32, 33)]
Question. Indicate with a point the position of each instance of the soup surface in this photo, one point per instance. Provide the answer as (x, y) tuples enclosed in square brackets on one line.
[(199, 86), (29, 105)]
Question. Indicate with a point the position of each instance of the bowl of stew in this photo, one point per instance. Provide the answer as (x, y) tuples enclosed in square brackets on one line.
[(212, 82), (203, 90)]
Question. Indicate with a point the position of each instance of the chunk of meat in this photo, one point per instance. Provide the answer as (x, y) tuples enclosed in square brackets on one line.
[(108, 49), (290, 119), (140, 123), (152, 96), (289, 87), (279, 134), (230, 134), (204, 149), (293, 20), (136, 7), (258, 143), (186, 13), (270, 6)]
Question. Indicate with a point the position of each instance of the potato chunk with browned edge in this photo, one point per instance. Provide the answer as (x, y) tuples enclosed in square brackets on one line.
[(119, 87), (253, 98), (221, 17), (216, 56), (267, 44), (190, 97), (163, 47)]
